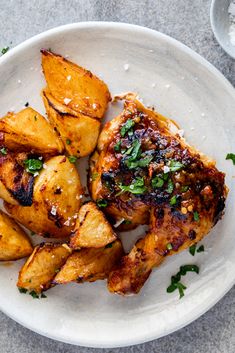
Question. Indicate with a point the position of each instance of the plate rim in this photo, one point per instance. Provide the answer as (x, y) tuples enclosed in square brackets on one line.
[(223, 80)]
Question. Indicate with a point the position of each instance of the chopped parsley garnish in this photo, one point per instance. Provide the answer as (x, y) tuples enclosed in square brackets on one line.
[(231, 156), (34, 294), (201, 248), (4, 50), (33, 165), (196, 216), (126, 127), (68, 141), (157, 182), (72, 159), (169, 246), (175, 280), (32, 233), (137, 187), (175, 166), (173, 200), (127, 221), (22, 290), (184, 188), (94, 176), (43, 295), (108, 245), (192, 249), (3, 150), (170, 186), (117, 146), (142, 163), (101, 203)]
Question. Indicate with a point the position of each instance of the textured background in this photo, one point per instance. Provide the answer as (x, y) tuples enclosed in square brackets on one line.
[(187, 21)]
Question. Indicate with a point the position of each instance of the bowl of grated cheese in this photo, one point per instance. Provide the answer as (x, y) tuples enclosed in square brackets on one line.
[(222, 15)]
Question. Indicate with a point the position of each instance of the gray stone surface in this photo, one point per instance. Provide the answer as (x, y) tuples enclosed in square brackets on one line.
[(187, 21)]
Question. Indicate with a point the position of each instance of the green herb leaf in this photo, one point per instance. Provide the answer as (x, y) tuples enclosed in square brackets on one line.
[(170, 186), (72, 159), (157, 182), (184, 188), (173, 200), (94, 176), (188, 268), (3, 151), (117, 146), (142, 163), (181, 287), (33, 165), (108, 245), (126, 127), (101, 203), (4, 50), (68, 141), (34, 294), (231, 156), (127, 221), (175, 166), (201, 248), (169, 246), (22, 290), (196, 216), (192, 249), (43, 295), (172, 287), (137, 187)]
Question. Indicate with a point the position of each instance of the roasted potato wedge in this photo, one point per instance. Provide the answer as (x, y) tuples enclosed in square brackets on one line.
[(78, 133), (14, 242), (23, 132), (74, 86), (16, 184), (56, 200), (92, 229), (41, 267), (89, 265)]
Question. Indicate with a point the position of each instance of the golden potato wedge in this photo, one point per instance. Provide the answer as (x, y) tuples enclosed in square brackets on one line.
[(89, 265), (92, 229), (75, 86), (16, 184), (56, 200), (41, 267), (23, 132), (14, 242), (78, 133)]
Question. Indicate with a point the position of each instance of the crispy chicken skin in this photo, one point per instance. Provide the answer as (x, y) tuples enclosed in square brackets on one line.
[(148, 174)]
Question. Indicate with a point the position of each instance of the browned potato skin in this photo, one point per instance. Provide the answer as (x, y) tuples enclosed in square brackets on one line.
[(58, 185), (23, 132), (89, 95), (41, 267), (16, 184), (14, 242), (92, 229), (78, 133), (89, 265)]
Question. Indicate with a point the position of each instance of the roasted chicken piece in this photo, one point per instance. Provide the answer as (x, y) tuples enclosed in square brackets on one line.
[(146, 173), (75, 101)]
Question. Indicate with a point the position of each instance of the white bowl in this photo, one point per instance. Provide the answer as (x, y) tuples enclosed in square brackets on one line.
[(220, 24), (181, 85)]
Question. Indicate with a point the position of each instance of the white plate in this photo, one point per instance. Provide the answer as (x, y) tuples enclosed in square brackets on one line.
[(181, 85)]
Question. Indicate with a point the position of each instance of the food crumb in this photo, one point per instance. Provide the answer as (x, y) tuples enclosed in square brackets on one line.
[(67, 101), (54, 210)]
